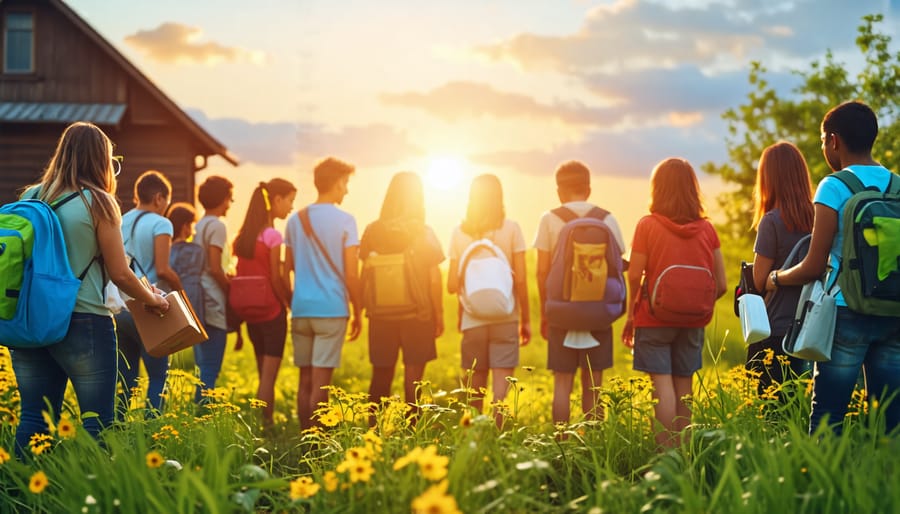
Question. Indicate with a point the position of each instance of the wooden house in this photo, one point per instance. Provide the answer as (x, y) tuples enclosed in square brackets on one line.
[(56, 69)]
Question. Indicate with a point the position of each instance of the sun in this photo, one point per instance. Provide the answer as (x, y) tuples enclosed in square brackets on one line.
[(446, 173)]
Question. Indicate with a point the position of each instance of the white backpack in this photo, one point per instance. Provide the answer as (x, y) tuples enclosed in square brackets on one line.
[(486, 281)]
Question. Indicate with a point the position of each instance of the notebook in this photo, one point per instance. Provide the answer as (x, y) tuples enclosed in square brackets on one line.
[(177, 329)]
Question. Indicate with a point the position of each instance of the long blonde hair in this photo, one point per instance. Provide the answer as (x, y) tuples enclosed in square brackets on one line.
[(83, 160)]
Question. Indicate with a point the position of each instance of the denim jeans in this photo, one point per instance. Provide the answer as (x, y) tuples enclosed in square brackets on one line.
[(859, 340), (131, 351), (87, 357), (208, 356)]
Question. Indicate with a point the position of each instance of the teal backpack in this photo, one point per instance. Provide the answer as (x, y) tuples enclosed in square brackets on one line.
[(37, 286), (869, 274)]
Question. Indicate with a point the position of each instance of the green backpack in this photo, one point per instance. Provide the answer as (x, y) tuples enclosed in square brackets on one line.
[(869, 274)]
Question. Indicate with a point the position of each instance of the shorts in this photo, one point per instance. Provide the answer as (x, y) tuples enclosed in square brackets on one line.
[(268, 337), (491, 346), (668, 350), (318, 341), (566, 360), (388, 337)]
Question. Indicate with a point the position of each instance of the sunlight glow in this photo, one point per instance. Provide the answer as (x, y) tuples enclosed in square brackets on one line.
[(446, 173)]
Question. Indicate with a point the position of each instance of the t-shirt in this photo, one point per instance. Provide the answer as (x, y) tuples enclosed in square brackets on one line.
[(508, 238), (654, 237), (383, 238), (548, 235), (81, 246), (318, 291), (834, 194), (141, 246), (211, 231), (775, 241)]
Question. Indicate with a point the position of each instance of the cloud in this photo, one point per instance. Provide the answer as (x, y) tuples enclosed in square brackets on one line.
[(176, 43), (279, 143), (456, 100), (645, 34)]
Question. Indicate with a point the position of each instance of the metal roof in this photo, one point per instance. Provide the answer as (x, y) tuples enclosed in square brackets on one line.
[(41, 112)]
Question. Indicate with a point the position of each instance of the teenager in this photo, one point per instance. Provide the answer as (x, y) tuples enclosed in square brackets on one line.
[(148, 240), (91, 225), (322, 252), (783, 215), (848, 132), (573, 187), (216, 196), (676, 233), (490, 345), (258, 248), (401, 229)]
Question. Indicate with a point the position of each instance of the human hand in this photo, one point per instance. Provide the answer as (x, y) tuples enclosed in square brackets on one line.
[(159, 305), (628, 333), (355, 326), (438, 325), (544, 328), (524, 333)]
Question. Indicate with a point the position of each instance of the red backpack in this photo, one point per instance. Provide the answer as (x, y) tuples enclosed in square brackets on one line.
[(250, 293), (684, 289)]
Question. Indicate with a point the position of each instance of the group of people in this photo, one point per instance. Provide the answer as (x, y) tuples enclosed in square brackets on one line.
[(325, 282)]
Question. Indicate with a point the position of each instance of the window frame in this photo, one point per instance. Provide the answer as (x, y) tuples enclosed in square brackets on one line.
[(32, 46)]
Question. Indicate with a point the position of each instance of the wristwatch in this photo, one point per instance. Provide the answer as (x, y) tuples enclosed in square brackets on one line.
[(774, 276)]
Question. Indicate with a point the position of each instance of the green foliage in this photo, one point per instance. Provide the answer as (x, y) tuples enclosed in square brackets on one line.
[(768, 116)]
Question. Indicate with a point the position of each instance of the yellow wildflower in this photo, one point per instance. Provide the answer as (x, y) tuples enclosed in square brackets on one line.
[(330, 418), (359, 453), (40, 443), (432, 465), (435, 500), (373, 442), (38, 482), (65, 428), (256, 403), (409, 458), (331, 481), (154, 459), (361, 471), (466, 420), (4, 456), (303, 488)]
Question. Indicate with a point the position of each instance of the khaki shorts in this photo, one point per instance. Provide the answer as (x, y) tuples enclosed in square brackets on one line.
[(491, 346), (318, 341)]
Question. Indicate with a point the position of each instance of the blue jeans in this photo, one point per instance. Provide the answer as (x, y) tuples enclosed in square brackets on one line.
[(131, 351), (208, 356), (859, 340), (87, 357)]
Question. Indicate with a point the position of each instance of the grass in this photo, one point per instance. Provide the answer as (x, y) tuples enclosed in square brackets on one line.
[(743, 453)]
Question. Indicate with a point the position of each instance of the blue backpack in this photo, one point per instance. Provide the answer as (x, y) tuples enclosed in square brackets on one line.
[(188, 260), (37, 287), (586, 284)]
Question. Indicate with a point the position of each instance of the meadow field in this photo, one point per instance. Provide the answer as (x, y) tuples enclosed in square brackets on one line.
[(743, 453)]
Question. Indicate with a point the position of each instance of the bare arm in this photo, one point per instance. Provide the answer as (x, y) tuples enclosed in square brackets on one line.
[(543, 270), (762, 266), (635, 272), (214, 259), (279, 286), (286, 271), (814, 264), (109, 238), (719, 273), (162, 246), (437, 299), (351, 275), (520, 287), (453, 277)]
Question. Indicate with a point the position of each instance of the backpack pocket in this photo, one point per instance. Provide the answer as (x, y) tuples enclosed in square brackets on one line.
[(683, 294), (11, 270), (586, 280), (388, 284)]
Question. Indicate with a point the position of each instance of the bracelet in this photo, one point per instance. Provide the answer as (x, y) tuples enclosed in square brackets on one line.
[(774, 275)]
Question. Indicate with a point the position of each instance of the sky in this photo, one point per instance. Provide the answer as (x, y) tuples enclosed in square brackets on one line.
[(454, 89)]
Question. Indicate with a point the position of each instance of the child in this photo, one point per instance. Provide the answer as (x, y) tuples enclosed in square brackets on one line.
[(573, 186)]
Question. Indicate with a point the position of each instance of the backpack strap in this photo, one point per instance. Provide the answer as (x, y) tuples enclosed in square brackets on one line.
[(893, 185), (597, 213), (303, 214), (849, 179), (97, 258), (564, 213), (131, 237)]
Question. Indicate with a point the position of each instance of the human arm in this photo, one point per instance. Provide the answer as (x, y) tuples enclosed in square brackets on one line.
[(543, 270), (214, 261), (112, 249), (719, 272), (520, 287), (286, 271), (276, 277), (638, 264), (351, 275), (437, 299), (762, 266), (814, 264), (162, 248)]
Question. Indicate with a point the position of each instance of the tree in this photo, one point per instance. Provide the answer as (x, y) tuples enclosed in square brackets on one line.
[(767, 118)]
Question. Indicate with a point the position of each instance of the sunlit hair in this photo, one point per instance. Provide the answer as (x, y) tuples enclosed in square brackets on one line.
[(83, 160), (782, 182), (181, 214), (328, 172), (213, 191), (259, 214), (573, 178), (675, 192), (149, 184), (855, 122), (485, 211), (404, 200)]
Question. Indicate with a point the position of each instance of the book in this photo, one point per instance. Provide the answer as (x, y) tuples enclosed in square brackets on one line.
[(177, 329)]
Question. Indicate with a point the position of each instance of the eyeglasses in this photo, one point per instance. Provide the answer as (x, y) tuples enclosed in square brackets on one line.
[(117, 163)]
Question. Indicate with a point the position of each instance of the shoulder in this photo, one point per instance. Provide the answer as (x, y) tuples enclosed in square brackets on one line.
[(161, 224)]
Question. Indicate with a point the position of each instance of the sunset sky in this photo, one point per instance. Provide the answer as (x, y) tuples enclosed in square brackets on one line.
[(455, 89)]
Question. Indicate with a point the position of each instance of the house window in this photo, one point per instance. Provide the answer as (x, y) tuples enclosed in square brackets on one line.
[(18, 43)]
